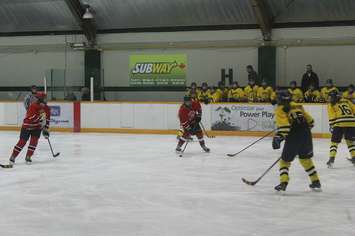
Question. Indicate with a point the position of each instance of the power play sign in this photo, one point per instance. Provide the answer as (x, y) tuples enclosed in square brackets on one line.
[(157, 70)]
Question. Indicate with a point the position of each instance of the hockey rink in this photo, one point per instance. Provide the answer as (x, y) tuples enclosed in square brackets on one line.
[(111, 184)]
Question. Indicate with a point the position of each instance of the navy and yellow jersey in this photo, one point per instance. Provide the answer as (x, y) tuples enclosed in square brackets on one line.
[(203, 95), (236, 94), (215, 96), (251, 92), (349, 96), (189, 91), (264, 94), (325, 93), (293, 117), (224, 93), (341, 114), (312, 96), (296, 94)]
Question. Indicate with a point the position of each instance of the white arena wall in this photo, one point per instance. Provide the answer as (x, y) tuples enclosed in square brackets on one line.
[(143, 118)]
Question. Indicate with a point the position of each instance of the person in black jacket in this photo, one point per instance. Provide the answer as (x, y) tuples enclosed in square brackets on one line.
[(252, 75), (309, 78)]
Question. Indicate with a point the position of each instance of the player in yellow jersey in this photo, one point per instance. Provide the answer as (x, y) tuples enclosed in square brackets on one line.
[(329, 87), (192, 89), (341, 114), (264, 92), (215, 95), (223, 90), (236, 93), (296, 93), (251, 91), (350, 93), (204, 93), (294, 126), (312, 94)]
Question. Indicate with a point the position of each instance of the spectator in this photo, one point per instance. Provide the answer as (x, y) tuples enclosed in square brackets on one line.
[(30, 97), (296, 93), (264, 92), (309, 78), (312, 94), (251, 91), (204, 94), (350, 94), (223, 91), (252, 75), (85, 94), (329, 87), (236, 94), (274, 96)]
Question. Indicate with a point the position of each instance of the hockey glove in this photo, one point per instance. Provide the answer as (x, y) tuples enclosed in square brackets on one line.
[(45, 133), (276, 142)]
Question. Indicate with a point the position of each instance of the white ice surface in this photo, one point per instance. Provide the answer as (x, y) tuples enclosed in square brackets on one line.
[(127, 185)]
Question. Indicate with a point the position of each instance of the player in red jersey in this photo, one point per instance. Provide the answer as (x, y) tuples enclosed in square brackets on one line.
[(36, 121), (190, 114)]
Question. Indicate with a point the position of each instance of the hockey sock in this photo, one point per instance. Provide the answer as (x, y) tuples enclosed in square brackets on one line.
[(18, 148), (200, 139), (310, 169), (351, 147), (284, 166), (333, 149), (32, 146)]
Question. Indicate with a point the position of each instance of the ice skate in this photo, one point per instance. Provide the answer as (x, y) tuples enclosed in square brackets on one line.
[(281, 187), (316, 186), (12, 161), (28, 160), (330, 162), (206, 149)]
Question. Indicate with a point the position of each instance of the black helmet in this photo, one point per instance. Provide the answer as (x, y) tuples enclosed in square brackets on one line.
[(283, 96), (334, 96)]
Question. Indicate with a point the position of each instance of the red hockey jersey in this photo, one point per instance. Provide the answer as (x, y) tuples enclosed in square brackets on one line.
[(187, 115), (37, 116)]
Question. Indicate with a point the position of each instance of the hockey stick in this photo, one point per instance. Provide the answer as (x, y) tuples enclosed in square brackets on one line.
[(50, 145), (183, 150), (252, 183), (6, 166), (204, 130), (266, 135)]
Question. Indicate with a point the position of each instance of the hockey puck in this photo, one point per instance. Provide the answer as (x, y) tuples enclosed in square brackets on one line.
[(180, 155)]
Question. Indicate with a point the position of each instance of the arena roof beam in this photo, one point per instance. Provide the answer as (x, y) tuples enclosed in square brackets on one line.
[(264, 18), (87, 25)]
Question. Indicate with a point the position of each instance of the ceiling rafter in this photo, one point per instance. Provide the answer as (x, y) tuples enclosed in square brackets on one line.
[(263, 17), (87, 25)]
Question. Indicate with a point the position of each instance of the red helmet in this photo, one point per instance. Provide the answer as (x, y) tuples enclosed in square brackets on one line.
[(41, 95)]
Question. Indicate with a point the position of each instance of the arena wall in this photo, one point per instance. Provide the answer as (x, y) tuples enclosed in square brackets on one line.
[(142, 118)]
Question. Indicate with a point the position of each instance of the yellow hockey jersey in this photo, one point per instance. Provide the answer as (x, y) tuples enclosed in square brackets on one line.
[(342, 114), (285, 120), (264, 94), (204, 95), (312, 96), (251, 92), (349, 96), (236, 94), (297, 95), (325, 93), (224, 94), (215, 96)]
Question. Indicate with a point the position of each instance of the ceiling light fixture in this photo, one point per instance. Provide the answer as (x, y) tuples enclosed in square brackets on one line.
[(88, 14)]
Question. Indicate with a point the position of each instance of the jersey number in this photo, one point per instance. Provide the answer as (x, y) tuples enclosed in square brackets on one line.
[(345, 110)]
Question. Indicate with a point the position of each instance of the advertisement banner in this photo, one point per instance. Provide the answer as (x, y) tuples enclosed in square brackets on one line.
[(157, 70), (243, 117)]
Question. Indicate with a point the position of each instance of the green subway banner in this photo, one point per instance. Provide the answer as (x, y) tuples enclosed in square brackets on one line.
[(157, 70)]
